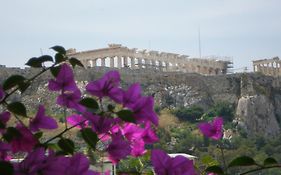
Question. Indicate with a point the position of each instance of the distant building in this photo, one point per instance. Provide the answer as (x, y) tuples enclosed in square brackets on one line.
[(118, 56), (271, 67)]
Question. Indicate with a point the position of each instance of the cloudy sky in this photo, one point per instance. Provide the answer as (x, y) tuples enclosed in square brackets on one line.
[(242, 29)]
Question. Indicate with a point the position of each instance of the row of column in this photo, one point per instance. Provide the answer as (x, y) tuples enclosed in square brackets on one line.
[(272, 68), (140, 63), (133, 63)]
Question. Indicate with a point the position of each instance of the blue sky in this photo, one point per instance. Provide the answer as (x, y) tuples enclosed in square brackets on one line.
[(242, 29)]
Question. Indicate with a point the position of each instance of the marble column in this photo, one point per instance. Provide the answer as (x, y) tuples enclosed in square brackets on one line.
[(102, 62), (133, 66), (160, 65), (111, 60), (94, 62), (147, 63), (153, 64), (125, 61), (167, 66), (139, 63), (119, 62)]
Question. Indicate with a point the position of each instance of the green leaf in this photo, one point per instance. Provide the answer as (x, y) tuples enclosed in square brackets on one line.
[(126, 115), (60, 58), (34, 62), (66, 145), (214, 169), (45, 58), (13, 81), (17, 108), (269, 161), (23, 86), (11, 133), (75, 61), (90, 137), (55, 70), (59, 49), (89, 103), (209, 161), (110, 107), (37, 62), (242, 161), (6, 168), (38, 135), (2, 126)]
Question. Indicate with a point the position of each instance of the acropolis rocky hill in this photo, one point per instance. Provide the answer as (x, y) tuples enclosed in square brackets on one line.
[(257, 97), (177, 81)]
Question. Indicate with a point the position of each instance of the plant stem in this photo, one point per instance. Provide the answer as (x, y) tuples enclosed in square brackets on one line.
[(261, 168), (64, 131)]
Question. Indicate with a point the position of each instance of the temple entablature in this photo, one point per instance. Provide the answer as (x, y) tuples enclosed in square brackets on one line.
[(270, 67), (118, 56)]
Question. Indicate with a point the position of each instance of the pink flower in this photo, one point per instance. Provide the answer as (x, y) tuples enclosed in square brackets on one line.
[(107, 86), (70, 99), (143, 110), (100, 124), (149, 135), (132, 95), (77, 119), (118, 148), (138, 148), (78, 165), (64, 80), (4, 148), (25, 141), (37, 162), (164, 164), (41, 121), (212, 130)]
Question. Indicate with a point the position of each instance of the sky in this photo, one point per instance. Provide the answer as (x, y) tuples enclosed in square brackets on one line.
[(242, 29)]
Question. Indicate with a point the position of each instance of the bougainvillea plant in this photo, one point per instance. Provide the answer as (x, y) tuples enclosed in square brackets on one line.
[(122, 131)]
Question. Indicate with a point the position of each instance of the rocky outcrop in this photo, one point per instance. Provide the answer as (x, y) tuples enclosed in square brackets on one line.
[(257, 97), (257, 116)]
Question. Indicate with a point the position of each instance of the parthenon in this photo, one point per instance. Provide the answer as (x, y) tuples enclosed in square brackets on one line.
[(270, 67), (118, 56)]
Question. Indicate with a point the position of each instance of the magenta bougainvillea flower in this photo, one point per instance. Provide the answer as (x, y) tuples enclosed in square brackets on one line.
[(64, 80), (41, 121), (149, 136), (118, 148), (144, 110), (70, 99), (77, 119), (25, 141), (100, 124), (163, 164), (212, 130), (2, 93), (78, 165), (107, 86), (132, 95), (138, 148), (37, 162), (4, 148), (4, 118)]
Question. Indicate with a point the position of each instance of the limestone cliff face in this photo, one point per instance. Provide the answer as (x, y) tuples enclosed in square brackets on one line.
[(257, 98), (257, 115)]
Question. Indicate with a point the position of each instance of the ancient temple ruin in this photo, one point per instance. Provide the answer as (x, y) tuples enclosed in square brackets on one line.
[(271, 67), (118, 56)]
